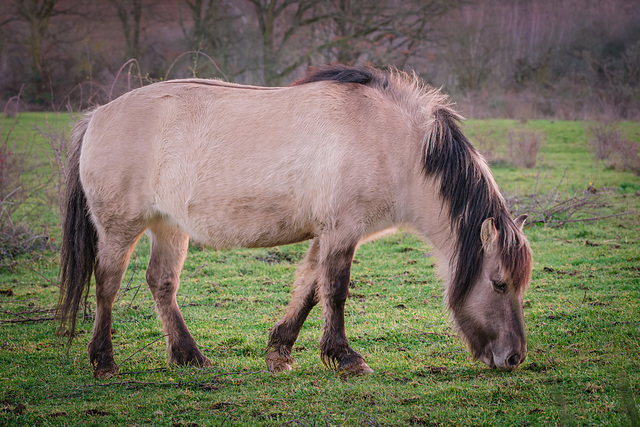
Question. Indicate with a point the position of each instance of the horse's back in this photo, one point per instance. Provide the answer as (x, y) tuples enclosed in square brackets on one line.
[(232, 166)]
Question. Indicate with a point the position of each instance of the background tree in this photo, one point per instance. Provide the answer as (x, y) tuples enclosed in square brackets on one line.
[(210, 28), (130, 15), (283, 28), (36, 13)]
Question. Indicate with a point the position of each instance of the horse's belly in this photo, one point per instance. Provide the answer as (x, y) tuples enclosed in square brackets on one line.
[(248, 233), (239, 223)]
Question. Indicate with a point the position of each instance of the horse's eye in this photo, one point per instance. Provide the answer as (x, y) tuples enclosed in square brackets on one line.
[(499, 286)]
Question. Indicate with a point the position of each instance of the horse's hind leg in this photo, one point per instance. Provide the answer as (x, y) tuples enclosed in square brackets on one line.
[(114, 251), (168, 252), (335, 271), (285, 332)]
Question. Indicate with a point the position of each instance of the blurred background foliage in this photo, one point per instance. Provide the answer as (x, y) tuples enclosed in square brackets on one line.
[(566, 59)]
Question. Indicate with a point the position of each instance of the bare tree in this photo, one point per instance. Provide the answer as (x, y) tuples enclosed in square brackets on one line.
[(37, 13), (349, 31), (204, 14), (282, 25), (211, 28), (130, 15), (383, 32)]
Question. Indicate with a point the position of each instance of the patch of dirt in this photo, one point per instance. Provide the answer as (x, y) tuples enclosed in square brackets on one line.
[(560, 272), (422, 421), (274, 257), (360, 297), (593, 388), (218, 406), (536, 367), (211, 387), (18, 409), (409, 400), (96, 412)]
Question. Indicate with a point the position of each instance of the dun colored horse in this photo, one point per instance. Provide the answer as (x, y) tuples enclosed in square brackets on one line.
[(336, 157)]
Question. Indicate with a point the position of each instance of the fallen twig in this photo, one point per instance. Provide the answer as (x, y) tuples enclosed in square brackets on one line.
[(134, 295), (38, 319), (555, 190), (596, 218), (142, 348), (169, 383), (135, 268), (198, 270), (432, 333), (40, 274)]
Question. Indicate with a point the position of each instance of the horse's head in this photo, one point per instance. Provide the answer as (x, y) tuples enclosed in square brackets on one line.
[(491, 318)]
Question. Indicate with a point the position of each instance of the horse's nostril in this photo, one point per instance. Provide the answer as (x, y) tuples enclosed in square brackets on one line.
[(513, 360)]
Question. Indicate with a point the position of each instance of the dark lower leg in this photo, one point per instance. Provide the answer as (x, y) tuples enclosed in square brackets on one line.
[(181, 346), (100, 347), (285, 332), (334, 346), (168, 251)]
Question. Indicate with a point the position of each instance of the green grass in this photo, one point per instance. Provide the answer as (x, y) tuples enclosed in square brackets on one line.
[(582, 312)]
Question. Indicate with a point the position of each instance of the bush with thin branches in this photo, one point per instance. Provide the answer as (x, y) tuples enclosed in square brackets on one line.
[(609, 145), (523, 146), (15, 238)]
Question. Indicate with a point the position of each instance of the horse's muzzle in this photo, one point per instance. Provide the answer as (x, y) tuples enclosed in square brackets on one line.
[(509, 363)]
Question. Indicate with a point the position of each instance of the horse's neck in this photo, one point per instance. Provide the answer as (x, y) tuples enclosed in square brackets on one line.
[(431, 220), (443, 241)]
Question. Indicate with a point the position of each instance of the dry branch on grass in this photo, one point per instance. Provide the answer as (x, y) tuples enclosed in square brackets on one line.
[(169, 383), (556, 211), (26, 316)]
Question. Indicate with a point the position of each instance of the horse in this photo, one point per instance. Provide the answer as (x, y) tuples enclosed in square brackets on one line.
[(335, 158)]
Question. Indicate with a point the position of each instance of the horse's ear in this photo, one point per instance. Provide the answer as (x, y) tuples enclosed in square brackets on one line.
[(520, 220), (488, 233)]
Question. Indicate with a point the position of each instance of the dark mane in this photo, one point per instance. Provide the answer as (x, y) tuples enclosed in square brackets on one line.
[(339, 73), (471, 197)]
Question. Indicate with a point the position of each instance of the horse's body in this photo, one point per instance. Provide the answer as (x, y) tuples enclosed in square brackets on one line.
[(336, 158)]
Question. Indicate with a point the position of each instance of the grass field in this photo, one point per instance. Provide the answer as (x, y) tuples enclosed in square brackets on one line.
[(582, 312)]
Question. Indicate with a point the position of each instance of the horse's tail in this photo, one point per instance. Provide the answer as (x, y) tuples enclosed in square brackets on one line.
[(79, 237)]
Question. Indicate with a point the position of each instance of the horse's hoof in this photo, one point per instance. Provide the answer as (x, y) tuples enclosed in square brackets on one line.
[(280, 367), (202, 362), (105, 371), (199, 361), (357, 367), (277, 363), (190, 358)]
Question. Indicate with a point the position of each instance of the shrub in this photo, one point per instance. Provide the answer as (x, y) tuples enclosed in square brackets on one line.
[(523, 146), (610, 145), (15, 238), (485, 142)]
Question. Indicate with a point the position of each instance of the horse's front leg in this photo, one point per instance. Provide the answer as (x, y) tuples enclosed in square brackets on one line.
[(285, 332), (335, 271), (168, 252)]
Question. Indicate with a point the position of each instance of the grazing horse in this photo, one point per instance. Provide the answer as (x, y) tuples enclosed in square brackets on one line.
[(337, 157)]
